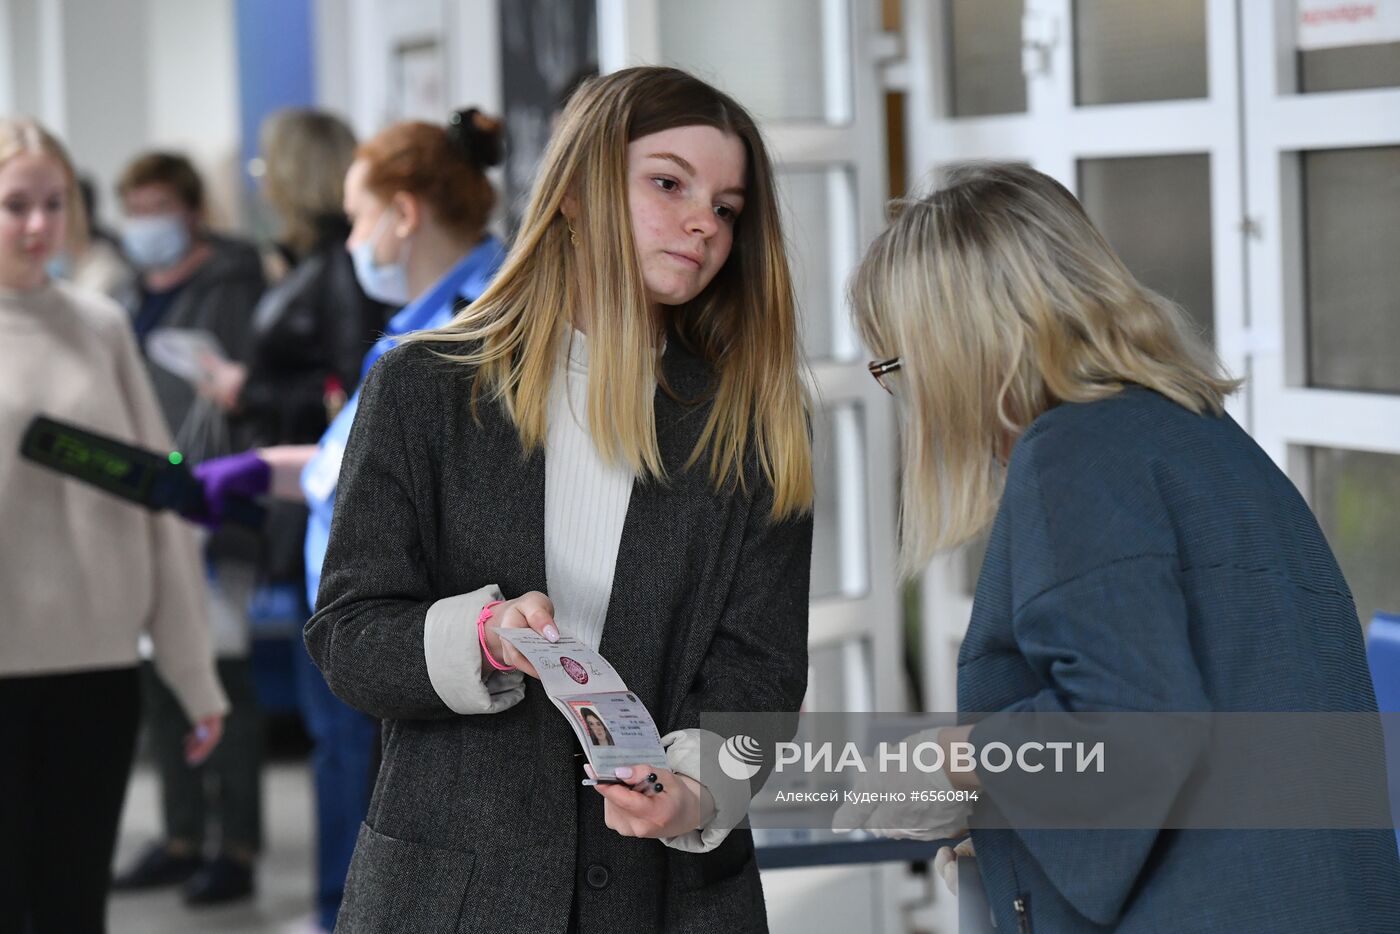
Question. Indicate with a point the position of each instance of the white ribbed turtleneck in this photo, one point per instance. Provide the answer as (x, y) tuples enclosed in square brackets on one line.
[(585, 505)]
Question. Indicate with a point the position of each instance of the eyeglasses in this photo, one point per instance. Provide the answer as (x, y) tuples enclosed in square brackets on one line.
[(881, 369)]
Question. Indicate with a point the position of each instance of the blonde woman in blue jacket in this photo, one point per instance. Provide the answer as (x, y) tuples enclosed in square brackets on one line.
[(1142, 550)]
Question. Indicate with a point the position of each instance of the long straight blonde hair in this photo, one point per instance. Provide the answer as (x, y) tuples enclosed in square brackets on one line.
[(744, 324), (1001, 300), (24, 136)]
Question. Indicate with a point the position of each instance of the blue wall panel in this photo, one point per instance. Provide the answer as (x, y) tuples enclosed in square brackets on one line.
[(276, 63)]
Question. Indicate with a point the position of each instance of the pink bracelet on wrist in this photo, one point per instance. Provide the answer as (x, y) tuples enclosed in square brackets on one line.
[(481, 636)]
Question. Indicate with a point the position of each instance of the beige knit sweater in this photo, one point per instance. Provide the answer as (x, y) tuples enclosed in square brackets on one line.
[(83, 573)]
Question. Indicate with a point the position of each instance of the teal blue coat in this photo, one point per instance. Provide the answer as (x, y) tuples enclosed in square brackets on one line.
[(1145, 558)]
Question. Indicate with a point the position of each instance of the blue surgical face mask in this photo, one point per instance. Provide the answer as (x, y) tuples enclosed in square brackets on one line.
[(157, 241), (58, 266), (387, 282)]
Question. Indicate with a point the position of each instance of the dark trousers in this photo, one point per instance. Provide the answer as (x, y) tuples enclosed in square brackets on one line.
[(344, 761), (66, 746), (229, 783)]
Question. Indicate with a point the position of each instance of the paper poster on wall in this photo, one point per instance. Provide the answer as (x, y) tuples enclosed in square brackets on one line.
[(1326, 24), (419, 86)]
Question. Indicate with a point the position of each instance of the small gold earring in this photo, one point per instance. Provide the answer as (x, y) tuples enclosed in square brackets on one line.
[(573, 234)]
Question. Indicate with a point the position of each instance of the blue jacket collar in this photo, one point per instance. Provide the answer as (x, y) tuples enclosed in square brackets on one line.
[(467, 279)]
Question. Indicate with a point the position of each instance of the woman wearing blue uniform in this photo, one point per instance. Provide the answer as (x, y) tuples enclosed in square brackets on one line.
[(419, 202)]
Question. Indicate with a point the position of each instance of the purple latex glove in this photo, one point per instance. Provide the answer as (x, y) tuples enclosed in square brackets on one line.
[(242, 474)]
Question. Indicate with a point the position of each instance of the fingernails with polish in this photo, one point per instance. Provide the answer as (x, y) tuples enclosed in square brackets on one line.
[(201, 732), (551, 633), (622, 772)]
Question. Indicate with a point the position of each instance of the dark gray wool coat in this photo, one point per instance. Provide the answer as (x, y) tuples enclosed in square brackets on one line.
[(479, 823)]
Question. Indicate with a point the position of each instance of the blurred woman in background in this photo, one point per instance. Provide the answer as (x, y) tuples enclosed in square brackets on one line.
[(311, 330), (83, 572), (193, 279)]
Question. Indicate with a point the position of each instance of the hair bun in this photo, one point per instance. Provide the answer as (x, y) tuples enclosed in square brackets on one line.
[(476, 136)]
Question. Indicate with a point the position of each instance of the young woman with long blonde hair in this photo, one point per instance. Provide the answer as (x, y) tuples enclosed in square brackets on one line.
[(610, 442), (1144, 556)]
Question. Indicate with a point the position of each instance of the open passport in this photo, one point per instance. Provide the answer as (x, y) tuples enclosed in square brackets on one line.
[(611, 723)]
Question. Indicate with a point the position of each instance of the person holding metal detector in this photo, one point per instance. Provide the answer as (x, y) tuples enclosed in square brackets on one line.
[(83, 572), (418, 199)]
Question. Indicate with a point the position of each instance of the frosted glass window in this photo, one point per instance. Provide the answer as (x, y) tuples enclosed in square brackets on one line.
[(1129, 51), (819, 224), (840, 537), (1155, 213), (984, 57), (782, 59), (1356, 495), (1351, 228), (1349, 68)]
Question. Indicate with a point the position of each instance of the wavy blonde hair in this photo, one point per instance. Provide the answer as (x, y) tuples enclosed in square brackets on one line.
[(744, 323), (25, 136), (1001, 300)]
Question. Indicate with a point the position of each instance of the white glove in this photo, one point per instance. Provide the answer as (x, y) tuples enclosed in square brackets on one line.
[(932, 808), (945, 863)]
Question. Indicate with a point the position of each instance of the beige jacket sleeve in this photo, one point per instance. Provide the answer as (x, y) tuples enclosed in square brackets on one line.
[(179, 620), (452, 652), (685, 752)]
